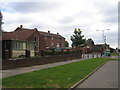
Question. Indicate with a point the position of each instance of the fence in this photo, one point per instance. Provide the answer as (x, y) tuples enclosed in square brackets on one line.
[(9, 64)]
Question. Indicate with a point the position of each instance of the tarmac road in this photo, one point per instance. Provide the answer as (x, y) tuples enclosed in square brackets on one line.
[(105, 77)]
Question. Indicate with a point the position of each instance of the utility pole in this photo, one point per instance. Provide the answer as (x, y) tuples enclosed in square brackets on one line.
[(104, 40), (104, 37)]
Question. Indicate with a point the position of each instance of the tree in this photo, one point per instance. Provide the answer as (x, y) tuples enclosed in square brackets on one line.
[(77, 38), (1, 18), (66, 44), (90, 42)]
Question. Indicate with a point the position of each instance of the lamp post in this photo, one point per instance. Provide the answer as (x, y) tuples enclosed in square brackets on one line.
[(104, 40), (104, 37)]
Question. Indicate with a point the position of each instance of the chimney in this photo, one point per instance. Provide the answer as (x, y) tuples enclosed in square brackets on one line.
[(48, 31), (21, 26), (36, 29), (57, 33)]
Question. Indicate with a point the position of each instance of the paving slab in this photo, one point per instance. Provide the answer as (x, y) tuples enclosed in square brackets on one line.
[(105, 77), (12, 72)]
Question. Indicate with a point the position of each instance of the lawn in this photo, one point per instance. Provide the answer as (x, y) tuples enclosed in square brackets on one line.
[(63, 76)]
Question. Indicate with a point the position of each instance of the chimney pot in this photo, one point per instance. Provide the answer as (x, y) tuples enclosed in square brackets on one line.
[(48, 31), (57, 33), (35, 28), (21, 26)]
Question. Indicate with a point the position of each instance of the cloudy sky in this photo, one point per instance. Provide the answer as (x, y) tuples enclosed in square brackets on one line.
[(63, 16)]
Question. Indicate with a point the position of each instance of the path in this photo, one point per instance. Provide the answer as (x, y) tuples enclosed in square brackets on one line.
[(12, 72)]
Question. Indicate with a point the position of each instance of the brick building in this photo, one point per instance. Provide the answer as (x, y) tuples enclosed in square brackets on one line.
[(53, 40), (22, 39), (100, 48)]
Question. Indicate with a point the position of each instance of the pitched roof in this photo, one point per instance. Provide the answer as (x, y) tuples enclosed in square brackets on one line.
[(7, 35), (98, 47), (50, 34), (18, 34), (24, 33)]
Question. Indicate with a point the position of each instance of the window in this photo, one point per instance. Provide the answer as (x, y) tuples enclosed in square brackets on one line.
[(47, 44), (21, 45), (48, 37), (58, 45), (16, 45), (37, 43), (45, 37), (52, 38), (51, 44), (24, 45), (30, 46)]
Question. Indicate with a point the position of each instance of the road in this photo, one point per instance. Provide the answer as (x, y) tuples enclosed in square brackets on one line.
[(105, 77)]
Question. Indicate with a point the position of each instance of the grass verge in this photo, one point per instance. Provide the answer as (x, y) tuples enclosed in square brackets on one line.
[(63, 76), (114, 54)]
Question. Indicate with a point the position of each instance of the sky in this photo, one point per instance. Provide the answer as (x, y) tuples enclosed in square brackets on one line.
[(63, 16)]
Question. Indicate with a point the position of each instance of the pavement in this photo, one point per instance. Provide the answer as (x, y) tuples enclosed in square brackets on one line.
[(115, 57), (12, 72), (105, 77)]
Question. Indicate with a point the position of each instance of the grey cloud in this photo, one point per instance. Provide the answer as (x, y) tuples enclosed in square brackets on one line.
[(111, 10), (32, 7), (25, 20), (67, 29), (112, 38), (110, 15), (66, 20), (111, 19), (39, 26), (19, 20), (112, 35), (108, 10)]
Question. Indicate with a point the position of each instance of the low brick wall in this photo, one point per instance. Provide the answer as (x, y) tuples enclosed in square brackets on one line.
[(9, 64)]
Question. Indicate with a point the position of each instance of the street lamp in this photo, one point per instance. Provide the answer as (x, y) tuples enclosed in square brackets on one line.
[(104, 37)]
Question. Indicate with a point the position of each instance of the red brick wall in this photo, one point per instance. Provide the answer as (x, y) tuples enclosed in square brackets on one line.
[(42, 45), (8, 64), (55, 41)]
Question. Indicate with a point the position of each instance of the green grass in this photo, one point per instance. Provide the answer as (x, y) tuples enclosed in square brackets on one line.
[(63, 76), (114, 54)]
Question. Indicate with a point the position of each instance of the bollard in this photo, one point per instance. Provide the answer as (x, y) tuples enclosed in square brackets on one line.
[(88, 56), (83, 56), (97, 55)]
